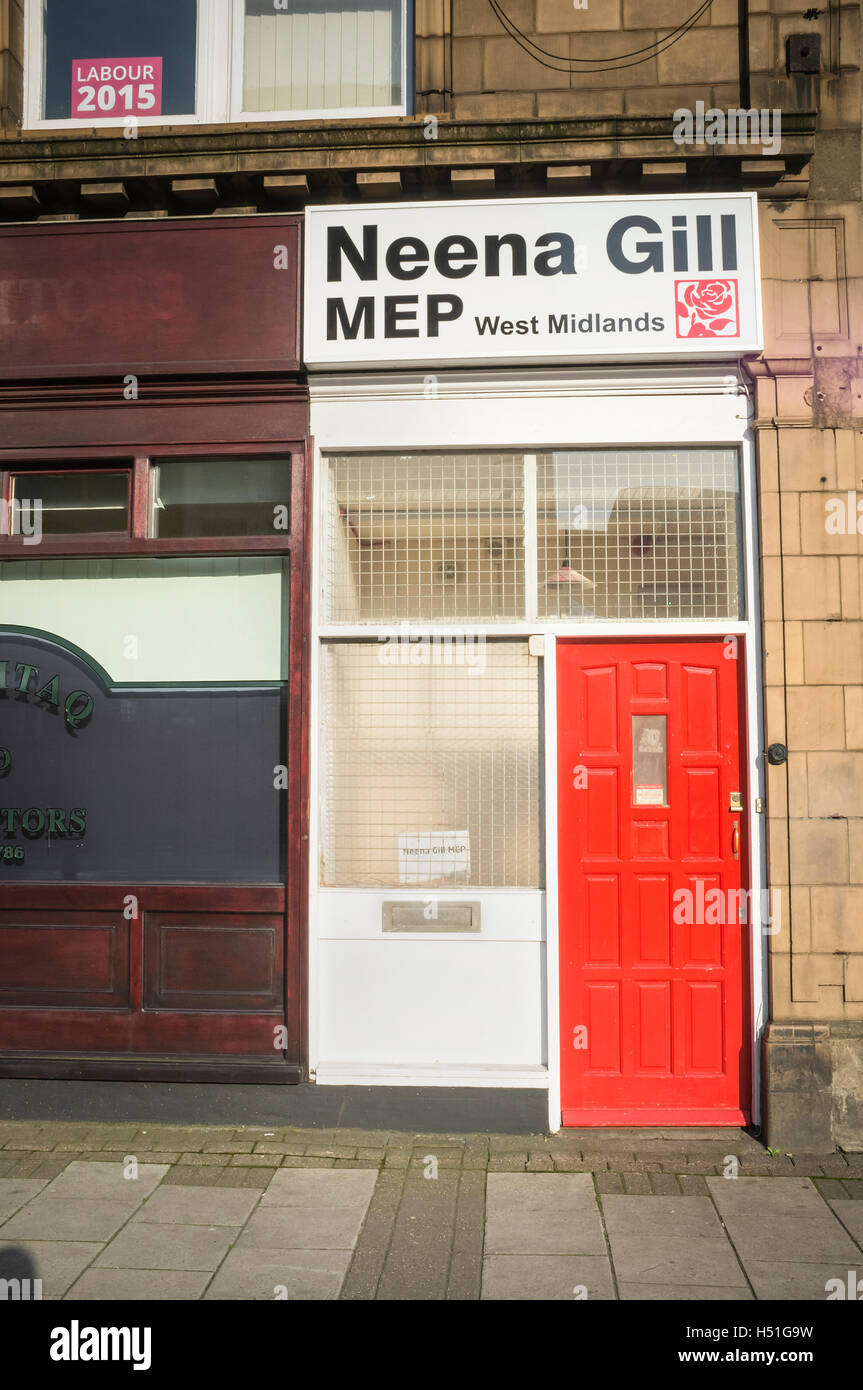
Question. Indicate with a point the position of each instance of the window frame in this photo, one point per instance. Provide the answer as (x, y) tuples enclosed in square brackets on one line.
[(218, 77), (327, 833), (235, 104), (208, 59), (137, 464)]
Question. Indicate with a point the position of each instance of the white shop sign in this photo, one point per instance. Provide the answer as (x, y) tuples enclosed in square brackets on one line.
[(532, 280)]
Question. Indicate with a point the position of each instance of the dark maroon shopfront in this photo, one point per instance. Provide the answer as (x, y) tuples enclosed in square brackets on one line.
[(153, 650)]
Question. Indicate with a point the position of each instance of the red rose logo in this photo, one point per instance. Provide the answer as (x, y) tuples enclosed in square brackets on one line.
[(713, 297), (706, 308)]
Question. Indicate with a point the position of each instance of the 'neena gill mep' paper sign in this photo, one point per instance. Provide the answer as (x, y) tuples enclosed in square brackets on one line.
[(532, 280)]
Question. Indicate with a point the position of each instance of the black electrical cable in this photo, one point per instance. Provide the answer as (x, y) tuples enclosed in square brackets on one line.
[(680, 30), (517, 34), (650, 51), (618, 67)]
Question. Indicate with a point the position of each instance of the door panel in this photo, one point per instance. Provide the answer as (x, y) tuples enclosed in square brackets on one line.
[(651, 932)]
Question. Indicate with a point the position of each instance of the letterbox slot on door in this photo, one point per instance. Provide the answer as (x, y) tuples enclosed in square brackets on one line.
[(429, 916)]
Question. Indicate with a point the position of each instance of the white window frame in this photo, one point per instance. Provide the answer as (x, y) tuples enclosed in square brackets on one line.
[(324, 113), (219, 77)]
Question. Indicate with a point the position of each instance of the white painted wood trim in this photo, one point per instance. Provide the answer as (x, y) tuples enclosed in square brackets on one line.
[(754, 731), (33, 71), (326, 113), (373, 1074), (551, 773), (542, 382), (531, 569), (215, 61)]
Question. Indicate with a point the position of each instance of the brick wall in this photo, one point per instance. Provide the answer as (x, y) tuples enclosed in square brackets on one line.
[(813, 638), (493, 76), (813, 641), (810, 446)]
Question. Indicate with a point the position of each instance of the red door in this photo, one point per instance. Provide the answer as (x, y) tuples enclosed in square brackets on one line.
[(651, 943)]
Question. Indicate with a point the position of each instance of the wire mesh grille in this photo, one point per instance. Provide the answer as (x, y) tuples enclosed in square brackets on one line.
[(646, 533), (430, 536), (430, 764), (617, 534)]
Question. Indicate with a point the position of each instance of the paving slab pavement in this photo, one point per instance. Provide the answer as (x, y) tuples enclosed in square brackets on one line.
[(185, 1213), (108, 1230)]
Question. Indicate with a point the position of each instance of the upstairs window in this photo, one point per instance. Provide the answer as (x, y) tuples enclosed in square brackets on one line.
[(178, 62), (322, 55), (110, 59)]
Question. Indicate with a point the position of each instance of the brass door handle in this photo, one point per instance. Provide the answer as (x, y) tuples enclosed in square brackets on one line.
[(735, 840)]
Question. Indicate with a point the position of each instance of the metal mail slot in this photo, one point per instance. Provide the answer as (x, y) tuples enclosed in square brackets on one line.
[(417, 917)]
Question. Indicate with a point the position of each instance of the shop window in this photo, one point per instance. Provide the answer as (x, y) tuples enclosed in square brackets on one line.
[(149, 712), (432, 536), (108, 59), (221, 497), (431, 769), (639, 533), (322, 55), (72, 504), (591, 535)]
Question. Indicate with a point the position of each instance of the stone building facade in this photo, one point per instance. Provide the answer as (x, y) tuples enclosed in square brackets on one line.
[(528, 98)]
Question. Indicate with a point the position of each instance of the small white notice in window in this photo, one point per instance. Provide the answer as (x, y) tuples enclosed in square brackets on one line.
[(650, 796), (428, 855)]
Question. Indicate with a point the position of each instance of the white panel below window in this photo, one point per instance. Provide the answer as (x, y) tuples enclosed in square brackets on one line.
[(405, 1003)]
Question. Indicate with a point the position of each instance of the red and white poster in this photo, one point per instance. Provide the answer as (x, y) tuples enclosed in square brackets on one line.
[(116, 87)]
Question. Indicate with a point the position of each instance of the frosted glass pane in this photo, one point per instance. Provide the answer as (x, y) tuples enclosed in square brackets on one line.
[(322, 55), (148, 619), (430, 765)]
